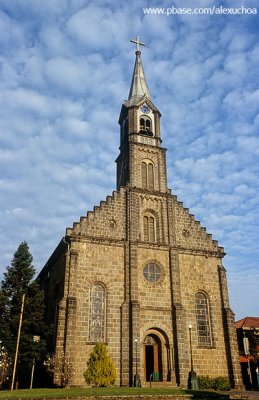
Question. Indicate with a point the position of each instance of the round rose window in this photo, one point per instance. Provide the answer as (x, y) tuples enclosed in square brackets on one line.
[(152, 272)]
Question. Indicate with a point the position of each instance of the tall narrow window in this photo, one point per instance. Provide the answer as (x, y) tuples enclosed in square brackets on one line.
[(144, 175), (152, 229), (146, 229), (147, 175), (97, 314), (150, 184), (203, 320), (149, 228)]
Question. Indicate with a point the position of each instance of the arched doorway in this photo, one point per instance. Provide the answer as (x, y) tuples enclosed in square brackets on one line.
[(153, 357)]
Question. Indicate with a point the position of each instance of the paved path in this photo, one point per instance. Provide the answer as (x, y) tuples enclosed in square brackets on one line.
[(252, 394)]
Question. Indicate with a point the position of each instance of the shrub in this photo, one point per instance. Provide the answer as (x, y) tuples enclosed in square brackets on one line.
[(60, 367), (221, 383), (100, 368), (204, 382), (218, 383)]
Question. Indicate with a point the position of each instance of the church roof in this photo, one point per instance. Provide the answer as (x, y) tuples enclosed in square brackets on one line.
[(138, 87)]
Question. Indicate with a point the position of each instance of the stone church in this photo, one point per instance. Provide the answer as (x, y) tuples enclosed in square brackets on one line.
[(140, 273)]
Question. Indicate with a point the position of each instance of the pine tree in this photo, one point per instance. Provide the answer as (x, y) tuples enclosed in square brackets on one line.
[(100, 370), (16, 282)]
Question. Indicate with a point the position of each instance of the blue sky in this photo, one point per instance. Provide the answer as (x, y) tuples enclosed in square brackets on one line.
[(66, 67)]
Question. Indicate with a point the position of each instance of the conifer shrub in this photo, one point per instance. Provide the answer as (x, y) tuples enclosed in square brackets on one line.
[(100, 370)]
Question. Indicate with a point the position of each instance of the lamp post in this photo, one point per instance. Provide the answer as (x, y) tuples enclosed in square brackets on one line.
[(36, 339), (17, 342), (193, 381), (136, 377)]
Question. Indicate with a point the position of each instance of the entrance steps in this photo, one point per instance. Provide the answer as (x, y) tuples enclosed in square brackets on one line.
[(169, 385)]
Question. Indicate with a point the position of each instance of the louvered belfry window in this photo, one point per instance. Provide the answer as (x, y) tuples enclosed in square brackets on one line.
[(203, 319)]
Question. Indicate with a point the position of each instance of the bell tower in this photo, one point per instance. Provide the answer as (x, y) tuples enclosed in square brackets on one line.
[(141, 162)]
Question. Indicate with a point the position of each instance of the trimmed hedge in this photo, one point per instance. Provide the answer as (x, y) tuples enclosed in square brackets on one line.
[(218, 383)]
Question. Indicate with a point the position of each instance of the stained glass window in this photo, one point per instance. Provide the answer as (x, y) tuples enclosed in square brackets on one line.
[(202, 318), (97, 314)]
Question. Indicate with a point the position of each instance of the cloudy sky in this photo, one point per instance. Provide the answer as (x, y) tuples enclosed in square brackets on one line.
[(66, 67)]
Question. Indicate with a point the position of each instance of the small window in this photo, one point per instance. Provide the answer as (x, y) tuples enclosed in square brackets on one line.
[(147, 172), (152, 272), (150, 177), (145, 125), (203, 320), (142, 124), (149, 228), (144, 174)]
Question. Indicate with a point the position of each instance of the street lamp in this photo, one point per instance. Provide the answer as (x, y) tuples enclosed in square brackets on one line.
[(136, 377), (36, 339), (193, 381)]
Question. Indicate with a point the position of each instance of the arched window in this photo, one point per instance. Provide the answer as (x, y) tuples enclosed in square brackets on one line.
[(203, 319), (147, 173), (145, 125), (97, 313), (149, 228)]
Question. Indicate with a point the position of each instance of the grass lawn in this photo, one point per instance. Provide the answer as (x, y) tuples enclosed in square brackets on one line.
[(111, 391)]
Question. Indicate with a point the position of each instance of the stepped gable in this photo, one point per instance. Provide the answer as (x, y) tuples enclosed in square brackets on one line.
[(105, 221), (189, 232)]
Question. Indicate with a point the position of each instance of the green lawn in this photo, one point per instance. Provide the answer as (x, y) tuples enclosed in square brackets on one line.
[(50, 393)]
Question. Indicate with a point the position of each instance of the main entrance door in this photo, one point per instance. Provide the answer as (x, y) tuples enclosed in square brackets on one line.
[(153, 357)]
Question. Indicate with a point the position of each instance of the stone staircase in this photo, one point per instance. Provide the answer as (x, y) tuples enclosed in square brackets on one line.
[(169, 385)]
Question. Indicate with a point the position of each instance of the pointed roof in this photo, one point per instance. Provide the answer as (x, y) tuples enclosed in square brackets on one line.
[(139, 87)]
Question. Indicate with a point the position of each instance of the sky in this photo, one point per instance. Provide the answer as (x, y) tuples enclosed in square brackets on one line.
[(66, 68)]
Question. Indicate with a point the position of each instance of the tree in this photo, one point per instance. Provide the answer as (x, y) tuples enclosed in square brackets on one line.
[(60, 365), (16, 282), (100, 370)]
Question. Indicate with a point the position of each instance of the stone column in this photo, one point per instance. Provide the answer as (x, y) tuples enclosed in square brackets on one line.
[(180, 332), (230, 333), (69, 362), (61, 323), (125, 324)]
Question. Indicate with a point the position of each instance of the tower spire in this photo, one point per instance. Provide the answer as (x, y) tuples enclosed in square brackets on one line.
[(139, 87)]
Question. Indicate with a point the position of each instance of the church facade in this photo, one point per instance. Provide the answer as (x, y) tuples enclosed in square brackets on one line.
[(140, 273)]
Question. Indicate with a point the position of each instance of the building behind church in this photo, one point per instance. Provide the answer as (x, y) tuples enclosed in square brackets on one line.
[(140, 273)]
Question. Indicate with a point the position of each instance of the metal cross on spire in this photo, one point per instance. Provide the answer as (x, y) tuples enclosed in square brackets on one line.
[(137, 41)]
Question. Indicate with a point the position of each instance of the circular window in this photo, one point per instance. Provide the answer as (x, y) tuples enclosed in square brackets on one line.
[(152, 272)]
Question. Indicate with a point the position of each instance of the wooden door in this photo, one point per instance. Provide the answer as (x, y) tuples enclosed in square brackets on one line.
[(156, 365)]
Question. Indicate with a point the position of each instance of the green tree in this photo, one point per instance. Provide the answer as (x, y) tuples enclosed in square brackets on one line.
[(16, 282), (100, 368)]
